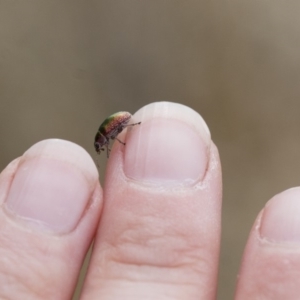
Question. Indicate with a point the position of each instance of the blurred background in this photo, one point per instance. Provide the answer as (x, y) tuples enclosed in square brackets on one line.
[(67, 65)]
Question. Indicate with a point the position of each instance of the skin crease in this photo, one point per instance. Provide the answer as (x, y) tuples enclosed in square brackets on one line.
[(154, 239)]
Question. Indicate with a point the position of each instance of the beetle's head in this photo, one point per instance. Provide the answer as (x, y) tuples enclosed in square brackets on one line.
[(100, 141)]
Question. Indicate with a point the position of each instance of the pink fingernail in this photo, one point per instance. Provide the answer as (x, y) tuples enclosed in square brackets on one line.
[(170, 147), (52, 186), (281, 218)]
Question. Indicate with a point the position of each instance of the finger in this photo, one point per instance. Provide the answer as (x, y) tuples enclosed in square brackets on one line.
[(271, 262), (160, 230), (50, 202)]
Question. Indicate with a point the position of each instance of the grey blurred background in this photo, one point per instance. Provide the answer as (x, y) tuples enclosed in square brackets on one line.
[(66, 65)]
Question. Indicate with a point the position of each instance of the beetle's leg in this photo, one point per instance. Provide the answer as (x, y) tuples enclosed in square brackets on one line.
[(132, 124), (120, 141), (107, 151), (115, 138)]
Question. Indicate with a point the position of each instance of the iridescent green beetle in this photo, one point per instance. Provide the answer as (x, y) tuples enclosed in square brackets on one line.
[(110, 128)]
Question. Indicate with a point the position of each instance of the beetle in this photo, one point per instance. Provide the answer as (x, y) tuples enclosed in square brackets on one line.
[(110, 128)]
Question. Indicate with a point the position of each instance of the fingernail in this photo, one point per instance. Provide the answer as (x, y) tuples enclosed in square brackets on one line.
[(170, 147), (52, 185), (281, 218)]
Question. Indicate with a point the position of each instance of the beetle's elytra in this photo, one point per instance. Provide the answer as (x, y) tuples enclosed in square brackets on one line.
[(109, 130)]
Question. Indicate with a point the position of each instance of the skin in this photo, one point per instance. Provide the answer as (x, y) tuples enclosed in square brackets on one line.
[(149, 244)]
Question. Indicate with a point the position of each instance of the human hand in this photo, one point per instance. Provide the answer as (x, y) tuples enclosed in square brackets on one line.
[(160, 220)]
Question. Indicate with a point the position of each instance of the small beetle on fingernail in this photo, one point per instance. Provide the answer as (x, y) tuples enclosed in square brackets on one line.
[(110, 128)]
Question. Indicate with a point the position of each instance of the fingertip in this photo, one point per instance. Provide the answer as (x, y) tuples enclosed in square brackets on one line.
[(52, 186), (170, 147), (281, 217), (52, 202), (64, 151), (271, 260)]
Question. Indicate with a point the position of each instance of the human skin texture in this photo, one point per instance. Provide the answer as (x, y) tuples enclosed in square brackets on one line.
[(156, 222)]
